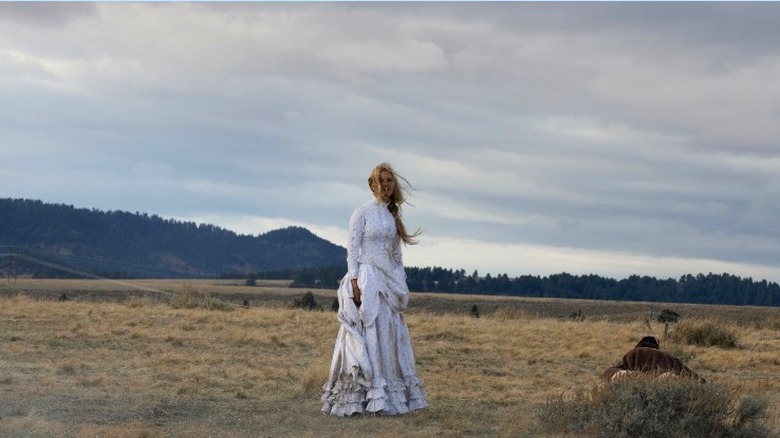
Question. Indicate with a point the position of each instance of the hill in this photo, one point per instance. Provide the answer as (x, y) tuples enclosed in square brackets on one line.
[(45, 239)]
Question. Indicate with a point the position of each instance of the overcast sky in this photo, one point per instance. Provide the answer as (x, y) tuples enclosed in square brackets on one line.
[(605, 138)]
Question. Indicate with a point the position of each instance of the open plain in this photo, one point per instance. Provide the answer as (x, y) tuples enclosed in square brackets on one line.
[(100, 358)]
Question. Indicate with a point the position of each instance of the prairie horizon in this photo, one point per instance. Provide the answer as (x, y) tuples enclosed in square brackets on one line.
[(116, 360)]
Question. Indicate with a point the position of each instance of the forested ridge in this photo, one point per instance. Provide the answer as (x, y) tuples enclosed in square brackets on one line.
[(39, 238)]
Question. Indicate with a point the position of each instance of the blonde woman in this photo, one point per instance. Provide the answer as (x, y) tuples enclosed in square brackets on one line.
[(373, 369)]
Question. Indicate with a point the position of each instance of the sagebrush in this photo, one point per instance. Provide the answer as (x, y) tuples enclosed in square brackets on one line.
[(649, 407)]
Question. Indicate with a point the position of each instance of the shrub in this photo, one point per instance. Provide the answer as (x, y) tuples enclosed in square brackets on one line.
[(334, 306), (645, 407), (705, 333), (577, 315), (667, 315), (184, 298), (307, 302)]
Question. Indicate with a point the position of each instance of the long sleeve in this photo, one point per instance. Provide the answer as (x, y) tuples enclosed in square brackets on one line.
[(357, 224)]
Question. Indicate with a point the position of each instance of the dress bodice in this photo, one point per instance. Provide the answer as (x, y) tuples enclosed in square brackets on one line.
[(373, 239)]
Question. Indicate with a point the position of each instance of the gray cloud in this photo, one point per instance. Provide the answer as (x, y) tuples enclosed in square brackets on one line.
[(45, 14), (580, 131)]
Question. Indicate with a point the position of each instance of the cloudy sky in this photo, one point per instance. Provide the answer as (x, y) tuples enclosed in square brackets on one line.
[(606, 138)]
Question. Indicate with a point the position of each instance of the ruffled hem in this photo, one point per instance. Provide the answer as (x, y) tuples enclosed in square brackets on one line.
[(343, 399), (397, 397)]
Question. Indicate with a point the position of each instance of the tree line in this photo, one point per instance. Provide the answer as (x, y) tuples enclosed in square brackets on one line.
[(724, 289)]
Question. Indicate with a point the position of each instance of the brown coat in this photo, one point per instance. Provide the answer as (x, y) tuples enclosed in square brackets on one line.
[(650, 361)]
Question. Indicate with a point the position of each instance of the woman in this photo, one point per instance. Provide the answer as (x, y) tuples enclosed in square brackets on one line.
[(373, 364)]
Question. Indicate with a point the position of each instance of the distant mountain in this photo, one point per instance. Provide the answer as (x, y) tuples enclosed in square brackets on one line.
[(56, 239)]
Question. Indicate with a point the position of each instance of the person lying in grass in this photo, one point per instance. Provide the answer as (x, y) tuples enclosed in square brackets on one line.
[(648, 358)]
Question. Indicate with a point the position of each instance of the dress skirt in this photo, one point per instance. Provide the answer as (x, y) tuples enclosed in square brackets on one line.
[(373, 366)]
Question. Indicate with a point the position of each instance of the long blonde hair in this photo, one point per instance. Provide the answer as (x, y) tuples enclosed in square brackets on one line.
[(402, 189)]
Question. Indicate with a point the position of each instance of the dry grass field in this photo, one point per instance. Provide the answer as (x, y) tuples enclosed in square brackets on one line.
[(115, 360)]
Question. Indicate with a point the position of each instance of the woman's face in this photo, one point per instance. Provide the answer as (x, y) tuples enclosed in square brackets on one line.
[(386, 186)]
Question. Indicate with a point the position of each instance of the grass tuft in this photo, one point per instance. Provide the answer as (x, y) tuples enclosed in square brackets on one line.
[(705, 332), (188, 297), (509, 313)]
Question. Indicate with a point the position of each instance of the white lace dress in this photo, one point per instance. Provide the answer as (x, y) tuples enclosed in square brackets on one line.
[(373, 367)]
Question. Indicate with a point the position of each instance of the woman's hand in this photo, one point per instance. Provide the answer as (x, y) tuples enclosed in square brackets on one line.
[(356, 292)]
